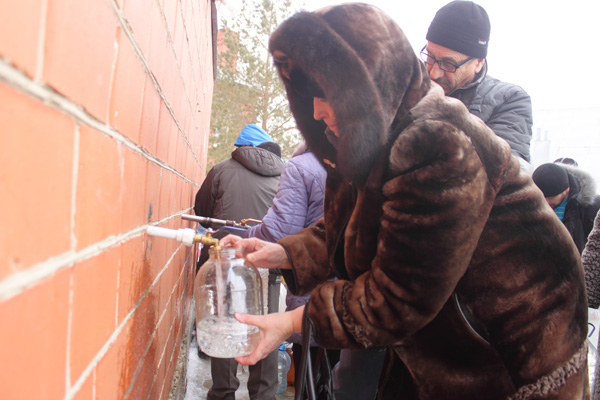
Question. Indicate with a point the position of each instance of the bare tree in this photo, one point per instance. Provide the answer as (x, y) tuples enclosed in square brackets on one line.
[(248, 89)]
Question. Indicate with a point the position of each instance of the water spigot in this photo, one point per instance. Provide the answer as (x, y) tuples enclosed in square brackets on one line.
[(186, 236)]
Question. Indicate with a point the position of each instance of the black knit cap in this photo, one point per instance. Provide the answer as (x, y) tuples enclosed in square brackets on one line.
[(552, 179), (461, 26), (272, 147)]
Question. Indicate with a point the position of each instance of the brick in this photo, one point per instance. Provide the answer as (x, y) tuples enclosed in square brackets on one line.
[(179, 36), (138, 14), (20, 32), (170, 9), (99, 200), (36, 149), (94, 307), (169, 368), (151, 201), (158, 44), (134, 276), (179, 98), (164, 133), (154, 310), (165, 191), (128, 91), (173, 142), (132, 190), (33, 337), (170, 74), (139, 389), (79, 52), (150, 115), (178, 158), (117, 362)]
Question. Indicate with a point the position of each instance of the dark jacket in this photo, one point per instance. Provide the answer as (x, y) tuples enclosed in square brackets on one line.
[(504, 107), (242, 186), (582, 205), (446, 251)]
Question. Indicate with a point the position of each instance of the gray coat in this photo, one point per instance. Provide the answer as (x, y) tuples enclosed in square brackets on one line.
[(242, 186), (504, 107)]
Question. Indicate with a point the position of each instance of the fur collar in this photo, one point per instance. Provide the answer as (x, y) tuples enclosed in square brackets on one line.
[(585, 186)]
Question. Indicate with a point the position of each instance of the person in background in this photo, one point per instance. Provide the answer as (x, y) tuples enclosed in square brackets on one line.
[(297, 205), (571, 192), (444, 249), (566, 161), (455, 56), (243, 186)]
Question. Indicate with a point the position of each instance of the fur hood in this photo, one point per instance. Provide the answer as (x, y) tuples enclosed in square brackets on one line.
[(322, 50), (583, 183)]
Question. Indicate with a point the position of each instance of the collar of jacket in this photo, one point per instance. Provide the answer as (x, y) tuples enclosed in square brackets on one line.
[(582, 184), (258, 160), (479, 77)]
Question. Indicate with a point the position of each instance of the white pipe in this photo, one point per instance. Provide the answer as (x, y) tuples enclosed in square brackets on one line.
[(186, 236)]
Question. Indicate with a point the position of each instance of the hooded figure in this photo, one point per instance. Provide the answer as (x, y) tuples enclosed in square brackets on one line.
[(445, 251)]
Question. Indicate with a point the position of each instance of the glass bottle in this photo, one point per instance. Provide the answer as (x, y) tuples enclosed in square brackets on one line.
[(225, 285)]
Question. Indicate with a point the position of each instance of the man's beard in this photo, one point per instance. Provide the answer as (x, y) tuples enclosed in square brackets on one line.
[(444, 84)]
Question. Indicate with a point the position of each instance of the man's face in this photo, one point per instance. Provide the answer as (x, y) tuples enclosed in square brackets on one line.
[(452, 81), (323, 111), (556, 200)]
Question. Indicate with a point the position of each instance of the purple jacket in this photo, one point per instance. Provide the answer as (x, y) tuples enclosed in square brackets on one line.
[(299, 200), (297, 205)]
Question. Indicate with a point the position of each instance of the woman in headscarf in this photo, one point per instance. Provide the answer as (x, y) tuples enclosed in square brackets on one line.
[(445, 252)]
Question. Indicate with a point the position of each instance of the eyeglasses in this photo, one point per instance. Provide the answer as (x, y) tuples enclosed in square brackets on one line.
[(444, 65)]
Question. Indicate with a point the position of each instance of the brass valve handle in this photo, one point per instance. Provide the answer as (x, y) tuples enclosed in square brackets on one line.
[(207, 240)]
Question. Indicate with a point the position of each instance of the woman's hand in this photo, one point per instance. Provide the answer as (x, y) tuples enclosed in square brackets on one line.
[(259, 253), (274, 330)]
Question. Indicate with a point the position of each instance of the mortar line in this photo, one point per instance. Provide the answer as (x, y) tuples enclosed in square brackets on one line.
[(18, 282)]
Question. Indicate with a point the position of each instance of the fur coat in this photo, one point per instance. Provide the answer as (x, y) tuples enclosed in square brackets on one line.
[(582, 205), (445, 251)]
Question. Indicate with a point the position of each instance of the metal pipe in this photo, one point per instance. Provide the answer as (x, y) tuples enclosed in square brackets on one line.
[(219, 222)]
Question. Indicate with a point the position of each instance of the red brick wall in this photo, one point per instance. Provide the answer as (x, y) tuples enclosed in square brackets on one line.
[(104, 118)]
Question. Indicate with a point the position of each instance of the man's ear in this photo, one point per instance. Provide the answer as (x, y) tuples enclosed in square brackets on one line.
[(479, 64)]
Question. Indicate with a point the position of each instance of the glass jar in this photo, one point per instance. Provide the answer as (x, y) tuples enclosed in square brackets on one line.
[(225, 285)]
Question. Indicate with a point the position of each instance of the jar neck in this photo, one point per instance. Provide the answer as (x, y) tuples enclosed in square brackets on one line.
[(227, 253)]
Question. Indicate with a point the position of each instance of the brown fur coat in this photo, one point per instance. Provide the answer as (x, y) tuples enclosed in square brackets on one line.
[(446, 252)]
